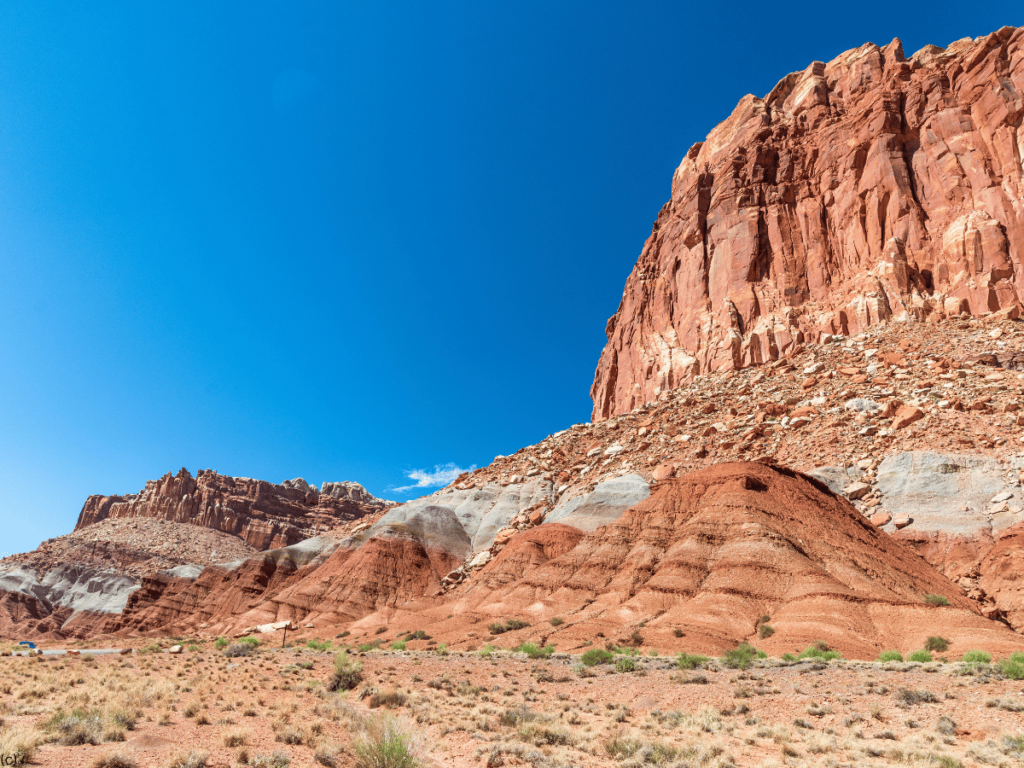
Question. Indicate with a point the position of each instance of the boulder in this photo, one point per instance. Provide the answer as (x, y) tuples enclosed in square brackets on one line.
[(906, 416)]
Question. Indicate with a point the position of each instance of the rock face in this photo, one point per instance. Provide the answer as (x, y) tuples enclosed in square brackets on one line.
[(870, 188), (264, 515)]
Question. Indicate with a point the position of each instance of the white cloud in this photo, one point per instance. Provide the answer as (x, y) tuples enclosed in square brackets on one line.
[(440, 477)]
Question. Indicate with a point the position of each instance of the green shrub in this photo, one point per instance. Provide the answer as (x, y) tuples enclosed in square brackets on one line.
[(936, 600), (318, 645), (922, 656), (419, 634), (739, 658), (347, 673), (557, 622), (513, 624), (890, 656), (531, 650), (936, 643), (398, 645), (385, 743), (371, 646), (819, 651), (254, 642), (688, 661), (625, 664), (380, 630), (766, 631), (442, 649), (221, 643), (596, 656), (486, 651), (788, 657), (977, 657), (1013, 666)]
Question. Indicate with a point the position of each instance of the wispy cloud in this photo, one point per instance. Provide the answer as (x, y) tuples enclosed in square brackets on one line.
[(440, 477)]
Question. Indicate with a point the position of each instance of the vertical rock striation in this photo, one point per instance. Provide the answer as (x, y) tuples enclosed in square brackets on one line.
[(868, 189)]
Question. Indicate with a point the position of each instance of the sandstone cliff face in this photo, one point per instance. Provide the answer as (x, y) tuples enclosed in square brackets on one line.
[(263, 514), (868, 189)]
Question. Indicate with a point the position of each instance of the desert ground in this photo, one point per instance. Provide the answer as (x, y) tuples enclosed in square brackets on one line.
[(232, 703)]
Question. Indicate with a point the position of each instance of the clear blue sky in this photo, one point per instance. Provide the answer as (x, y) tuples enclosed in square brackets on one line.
[(344, 240)]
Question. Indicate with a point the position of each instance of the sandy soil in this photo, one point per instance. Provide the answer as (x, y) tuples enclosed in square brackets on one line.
[(149, 709)]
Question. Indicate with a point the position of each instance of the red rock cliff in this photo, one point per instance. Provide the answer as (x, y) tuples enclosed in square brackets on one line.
[(265, 515), (868, 189)]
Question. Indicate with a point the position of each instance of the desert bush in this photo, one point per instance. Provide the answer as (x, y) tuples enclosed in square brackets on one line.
[(276, 760), (910, 697), (236, 738), (72, 730), (254, 642), (1010, 705), (765, 631), (386, 742), (534, 652), (398, 645), (976, 657), (596, 656), (498, 628), (740, 658), (627, 664), (936, 600), (319, 645), (557, 622), (486, 651), (541, 735), (221, 643), (393, 698), (347, 673), (946, 726), (936, 643), (890, 656), (442, 649), (114, 760), (191, 759), (1013, 666), (819, 650), (20, 742), (238, 649), (921, 656)]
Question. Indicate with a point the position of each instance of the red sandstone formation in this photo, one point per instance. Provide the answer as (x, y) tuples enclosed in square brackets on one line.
[(707, 554), (264, 515), (869, 188), (712, 552)]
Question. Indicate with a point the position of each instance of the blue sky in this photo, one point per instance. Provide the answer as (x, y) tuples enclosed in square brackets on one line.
[(344, 241)]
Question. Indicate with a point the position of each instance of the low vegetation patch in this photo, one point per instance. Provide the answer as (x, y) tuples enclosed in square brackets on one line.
[(497, 628), (936, 600), (596, 656), (885, 656), (740, 658)]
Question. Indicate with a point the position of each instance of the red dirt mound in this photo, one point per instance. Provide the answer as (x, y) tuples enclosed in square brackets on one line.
[(709, 554)]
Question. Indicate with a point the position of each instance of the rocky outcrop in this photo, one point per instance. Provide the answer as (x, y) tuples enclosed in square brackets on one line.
[(263, 514), (871, 188)]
